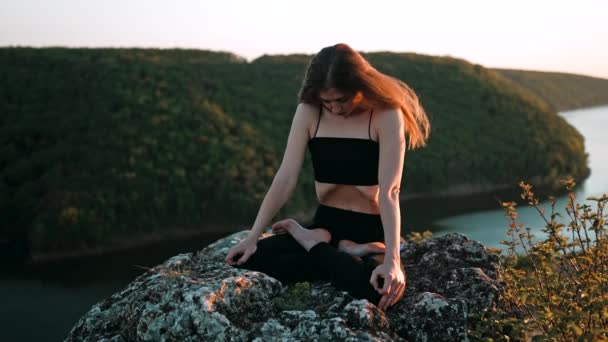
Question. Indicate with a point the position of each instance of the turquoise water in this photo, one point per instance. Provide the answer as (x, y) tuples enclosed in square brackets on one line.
[(489, 226)]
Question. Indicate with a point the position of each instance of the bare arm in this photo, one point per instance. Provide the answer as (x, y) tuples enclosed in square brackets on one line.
[(282, 186), (286, 178), (392, 151)]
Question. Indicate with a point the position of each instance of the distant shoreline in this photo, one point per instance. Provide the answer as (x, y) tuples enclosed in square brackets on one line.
[(215, 230), (137, 241)]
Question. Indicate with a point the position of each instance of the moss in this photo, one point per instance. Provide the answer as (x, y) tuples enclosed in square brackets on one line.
[(297, 297)]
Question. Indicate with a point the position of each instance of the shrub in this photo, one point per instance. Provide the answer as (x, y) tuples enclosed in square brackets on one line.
[(555, 287)]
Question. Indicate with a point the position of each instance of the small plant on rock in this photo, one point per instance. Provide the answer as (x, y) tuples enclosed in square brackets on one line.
[(297, 297), (555, 287)]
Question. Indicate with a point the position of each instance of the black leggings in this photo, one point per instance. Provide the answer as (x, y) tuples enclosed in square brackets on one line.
[(282, 257)]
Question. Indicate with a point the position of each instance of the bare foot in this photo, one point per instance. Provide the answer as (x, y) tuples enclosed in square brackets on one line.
[(307, 238), (360, 249)]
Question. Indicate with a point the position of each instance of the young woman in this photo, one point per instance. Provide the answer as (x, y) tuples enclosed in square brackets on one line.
[(356, 122)]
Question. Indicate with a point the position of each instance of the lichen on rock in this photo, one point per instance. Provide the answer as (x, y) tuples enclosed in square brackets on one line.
[(197, 297)]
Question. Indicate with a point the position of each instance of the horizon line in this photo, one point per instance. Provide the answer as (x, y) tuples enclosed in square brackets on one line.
[(251, 59)]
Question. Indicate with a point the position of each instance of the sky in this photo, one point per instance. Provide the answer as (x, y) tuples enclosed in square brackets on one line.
[(558, 35)]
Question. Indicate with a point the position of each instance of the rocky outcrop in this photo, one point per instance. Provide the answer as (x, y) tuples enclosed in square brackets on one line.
[(196, 297)]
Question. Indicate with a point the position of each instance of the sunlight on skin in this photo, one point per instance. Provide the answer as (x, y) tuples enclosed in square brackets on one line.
[(360, 249), (307, 238), (310, 237)]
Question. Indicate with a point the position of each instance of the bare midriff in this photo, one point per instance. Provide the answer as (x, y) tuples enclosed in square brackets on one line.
[(363, 199)]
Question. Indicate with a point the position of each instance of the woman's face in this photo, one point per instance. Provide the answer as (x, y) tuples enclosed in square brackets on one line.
[(340, 103)]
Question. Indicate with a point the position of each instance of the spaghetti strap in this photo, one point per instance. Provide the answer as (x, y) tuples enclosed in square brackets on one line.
[(318, 121), (369, 127)]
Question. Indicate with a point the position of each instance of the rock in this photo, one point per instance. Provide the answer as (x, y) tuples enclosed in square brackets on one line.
[(431, 317), (197, 297)]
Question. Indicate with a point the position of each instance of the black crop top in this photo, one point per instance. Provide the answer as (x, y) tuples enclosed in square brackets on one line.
[(352, 161)]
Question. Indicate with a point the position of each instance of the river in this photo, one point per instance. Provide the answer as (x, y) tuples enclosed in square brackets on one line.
[(41, 302), (489, 226)]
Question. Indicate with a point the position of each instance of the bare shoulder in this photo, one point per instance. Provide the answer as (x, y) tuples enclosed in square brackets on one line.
[(306, 111), (389, 119), (305, 116)]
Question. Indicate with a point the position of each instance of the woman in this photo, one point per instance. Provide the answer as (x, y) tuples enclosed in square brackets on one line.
[(354, 121)]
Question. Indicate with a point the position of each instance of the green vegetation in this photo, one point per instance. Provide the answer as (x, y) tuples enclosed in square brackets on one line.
[(102, 144), (486, 130), (556, 287), (297, 297), (418, 237), (562, 91), (99, 144)]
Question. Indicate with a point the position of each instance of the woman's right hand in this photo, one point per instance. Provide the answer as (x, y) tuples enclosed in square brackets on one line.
[(240, 252)]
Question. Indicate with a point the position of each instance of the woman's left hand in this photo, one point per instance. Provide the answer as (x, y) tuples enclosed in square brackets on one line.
[(394, 283)]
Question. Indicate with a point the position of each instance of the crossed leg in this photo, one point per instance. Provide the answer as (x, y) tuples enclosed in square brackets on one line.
[(307, 238), (346, 271)]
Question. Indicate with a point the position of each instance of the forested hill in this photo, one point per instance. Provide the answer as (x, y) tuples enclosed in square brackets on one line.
[(562, 91), (102, 144)]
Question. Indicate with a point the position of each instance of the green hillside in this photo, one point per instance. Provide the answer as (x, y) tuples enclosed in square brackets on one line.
[(102, 144), (562, 91)]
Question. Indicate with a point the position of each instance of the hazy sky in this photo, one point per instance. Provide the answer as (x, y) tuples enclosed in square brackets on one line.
[(557, 35)]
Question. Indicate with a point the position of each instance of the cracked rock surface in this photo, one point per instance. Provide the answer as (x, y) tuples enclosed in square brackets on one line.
[(196, 297)]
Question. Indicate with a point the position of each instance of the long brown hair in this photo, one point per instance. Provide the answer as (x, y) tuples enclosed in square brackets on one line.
[(342, 68)]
